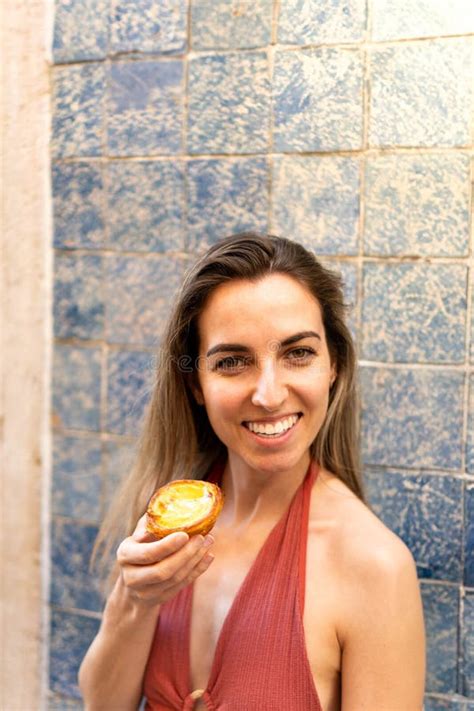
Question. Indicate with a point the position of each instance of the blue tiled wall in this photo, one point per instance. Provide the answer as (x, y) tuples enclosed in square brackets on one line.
[(345, 124)]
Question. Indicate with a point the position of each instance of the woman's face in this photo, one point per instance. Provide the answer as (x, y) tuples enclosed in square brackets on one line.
[(264, 360)]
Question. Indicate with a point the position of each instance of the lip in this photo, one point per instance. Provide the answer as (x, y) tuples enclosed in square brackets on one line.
[(271, 442), (271, 420)]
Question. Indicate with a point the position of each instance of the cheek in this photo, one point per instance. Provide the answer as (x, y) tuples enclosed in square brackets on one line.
[(316, 393), (221, 401), (315, 377)]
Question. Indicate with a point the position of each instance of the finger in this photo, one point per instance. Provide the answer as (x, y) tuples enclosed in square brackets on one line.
[(164, 571), (140, 533), (181, 572), (174, 589), (133, 552), (150, 592), (198, 570)]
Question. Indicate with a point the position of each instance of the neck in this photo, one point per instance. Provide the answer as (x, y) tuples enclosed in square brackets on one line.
[(254, 496)]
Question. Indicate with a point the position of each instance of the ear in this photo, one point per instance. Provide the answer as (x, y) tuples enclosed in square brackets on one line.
[(196, 389), (333, 375), (198, 396)]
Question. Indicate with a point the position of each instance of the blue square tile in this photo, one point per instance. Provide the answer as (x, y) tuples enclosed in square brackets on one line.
[(396, 19), (471, 354), (315, 200), (469, 534), (441, 612), (80, 30), (129, 380), (225, 197), (78, 205), (470, 429), (417, 205), (472, 311), (321, 21), (145, 107), (76, 387), (229, 103), (433, 703), (467, 667), (414, 312), (318, 100), (139, 297), (148, 26), (412, 418), (71, 636), (72, 584), (420, 509), (78, 299), (78, 120), (146, 205), (77, 478), (58, 702), (411, 82), (220, 24)]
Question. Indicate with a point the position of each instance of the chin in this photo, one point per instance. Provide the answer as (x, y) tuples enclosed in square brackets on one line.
[(271, 461)]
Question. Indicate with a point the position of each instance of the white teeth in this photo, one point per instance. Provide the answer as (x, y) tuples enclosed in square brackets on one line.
[(275, 428)]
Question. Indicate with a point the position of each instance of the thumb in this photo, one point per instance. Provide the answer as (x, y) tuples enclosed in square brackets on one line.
[(140, 534)]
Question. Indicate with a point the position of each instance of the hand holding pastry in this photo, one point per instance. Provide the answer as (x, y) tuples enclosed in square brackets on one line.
[(153, 571)]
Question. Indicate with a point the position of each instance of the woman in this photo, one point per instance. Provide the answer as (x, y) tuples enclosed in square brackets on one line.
[(300, 598)]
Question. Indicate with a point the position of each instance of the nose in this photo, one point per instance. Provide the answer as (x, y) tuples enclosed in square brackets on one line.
[(269, 392)]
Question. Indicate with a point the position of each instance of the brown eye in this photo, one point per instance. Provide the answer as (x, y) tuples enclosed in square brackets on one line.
[(301, 354), (230, 363)]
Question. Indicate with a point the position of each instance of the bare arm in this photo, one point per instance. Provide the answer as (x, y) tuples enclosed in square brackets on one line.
[(112, 671), (151, 572), (383, 659)]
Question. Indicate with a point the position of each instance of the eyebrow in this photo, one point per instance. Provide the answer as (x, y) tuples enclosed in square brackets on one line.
[(238, 348)]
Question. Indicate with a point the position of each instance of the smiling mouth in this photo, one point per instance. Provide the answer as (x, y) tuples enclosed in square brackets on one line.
[(273, 435)]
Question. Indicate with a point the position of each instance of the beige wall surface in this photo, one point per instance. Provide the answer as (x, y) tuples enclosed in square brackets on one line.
[(25, 270)]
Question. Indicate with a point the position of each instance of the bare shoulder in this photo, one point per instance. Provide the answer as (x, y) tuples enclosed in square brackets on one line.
[(377, 602), (370, 562), (378, 568), (363, 543)]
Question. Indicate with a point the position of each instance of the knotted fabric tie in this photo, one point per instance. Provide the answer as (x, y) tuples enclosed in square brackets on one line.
[(194, 696)]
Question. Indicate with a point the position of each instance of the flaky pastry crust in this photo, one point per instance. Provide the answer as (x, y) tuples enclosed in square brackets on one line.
[(188, 505)]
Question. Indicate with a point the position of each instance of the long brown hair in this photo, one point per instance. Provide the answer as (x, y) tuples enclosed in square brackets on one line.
[(177, 440)]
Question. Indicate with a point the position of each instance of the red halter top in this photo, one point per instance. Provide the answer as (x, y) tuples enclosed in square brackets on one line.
[(260, 662)]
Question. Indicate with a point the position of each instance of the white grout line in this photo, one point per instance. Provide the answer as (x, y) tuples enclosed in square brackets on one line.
[(369, 151), (136, 56)]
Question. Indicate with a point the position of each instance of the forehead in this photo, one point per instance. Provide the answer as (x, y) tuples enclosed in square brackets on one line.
[(275, 306)]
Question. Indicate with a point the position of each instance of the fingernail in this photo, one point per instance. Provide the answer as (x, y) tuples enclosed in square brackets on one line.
[(208, 541)]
